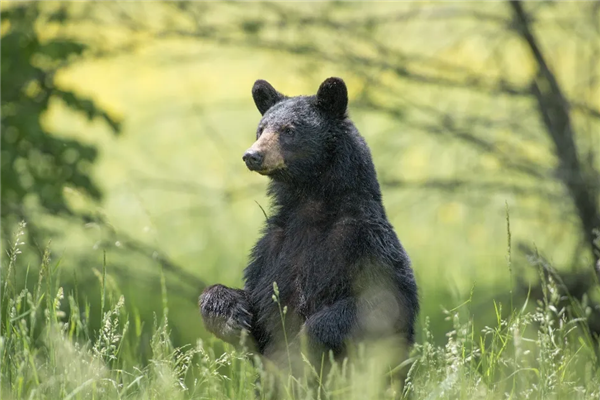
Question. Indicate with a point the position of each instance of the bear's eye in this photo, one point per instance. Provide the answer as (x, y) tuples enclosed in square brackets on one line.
[(260, 131), (288, 131)]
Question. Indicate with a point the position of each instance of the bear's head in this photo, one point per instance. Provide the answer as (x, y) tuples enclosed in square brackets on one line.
[(296, 135)]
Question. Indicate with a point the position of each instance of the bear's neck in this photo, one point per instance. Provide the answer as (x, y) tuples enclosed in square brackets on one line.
[(347, 177)]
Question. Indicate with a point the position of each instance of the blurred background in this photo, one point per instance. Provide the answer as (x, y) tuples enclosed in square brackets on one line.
[(123, 127)]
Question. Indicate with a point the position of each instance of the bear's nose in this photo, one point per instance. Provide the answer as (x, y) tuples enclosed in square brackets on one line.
[(253, 159)]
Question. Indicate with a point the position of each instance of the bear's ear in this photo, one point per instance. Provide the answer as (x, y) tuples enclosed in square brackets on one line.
[(333, 96), (265, 96)]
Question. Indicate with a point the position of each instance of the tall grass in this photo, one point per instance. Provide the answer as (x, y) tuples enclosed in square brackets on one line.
[(537, 351)]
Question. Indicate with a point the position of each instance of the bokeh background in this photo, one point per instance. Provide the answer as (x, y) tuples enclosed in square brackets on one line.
[(123, 127)]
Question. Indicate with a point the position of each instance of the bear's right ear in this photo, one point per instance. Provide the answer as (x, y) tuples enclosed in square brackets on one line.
[(265, 96)]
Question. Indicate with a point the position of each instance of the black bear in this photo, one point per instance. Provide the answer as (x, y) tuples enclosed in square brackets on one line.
[(340, 271)]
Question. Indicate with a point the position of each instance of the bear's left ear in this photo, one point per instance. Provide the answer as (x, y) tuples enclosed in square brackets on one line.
[(265, 96), (333, 96)]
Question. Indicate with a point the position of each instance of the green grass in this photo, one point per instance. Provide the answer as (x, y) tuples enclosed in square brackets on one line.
[(48, 351)]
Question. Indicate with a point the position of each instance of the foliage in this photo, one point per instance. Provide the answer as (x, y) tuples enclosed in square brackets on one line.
[(37, 165)]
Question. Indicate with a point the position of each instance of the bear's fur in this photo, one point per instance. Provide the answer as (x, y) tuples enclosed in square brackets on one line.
[(339, 267)]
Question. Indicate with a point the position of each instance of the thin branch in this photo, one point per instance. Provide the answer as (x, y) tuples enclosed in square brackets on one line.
[(446, 126)]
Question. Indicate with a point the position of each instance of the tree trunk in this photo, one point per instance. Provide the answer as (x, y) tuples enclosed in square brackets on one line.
[(554, 110)]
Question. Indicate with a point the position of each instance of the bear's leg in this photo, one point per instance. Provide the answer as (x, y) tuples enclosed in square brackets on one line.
[(226, 313), (349, 322), (331, 327)]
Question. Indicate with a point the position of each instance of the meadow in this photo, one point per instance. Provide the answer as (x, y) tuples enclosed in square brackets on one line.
[(538, 351)]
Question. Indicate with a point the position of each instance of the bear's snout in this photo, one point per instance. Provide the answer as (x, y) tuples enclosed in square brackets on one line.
[(253, 160)]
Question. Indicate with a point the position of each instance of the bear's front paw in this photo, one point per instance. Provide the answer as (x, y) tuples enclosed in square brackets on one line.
[(225, 312)]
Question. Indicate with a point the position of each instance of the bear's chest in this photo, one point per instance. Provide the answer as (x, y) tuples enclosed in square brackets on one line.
[(297, 265), (308, 262)]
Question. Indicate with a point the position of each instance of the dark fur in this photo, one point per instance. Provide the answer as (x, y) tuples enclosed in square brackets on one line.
[(340, 269)]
